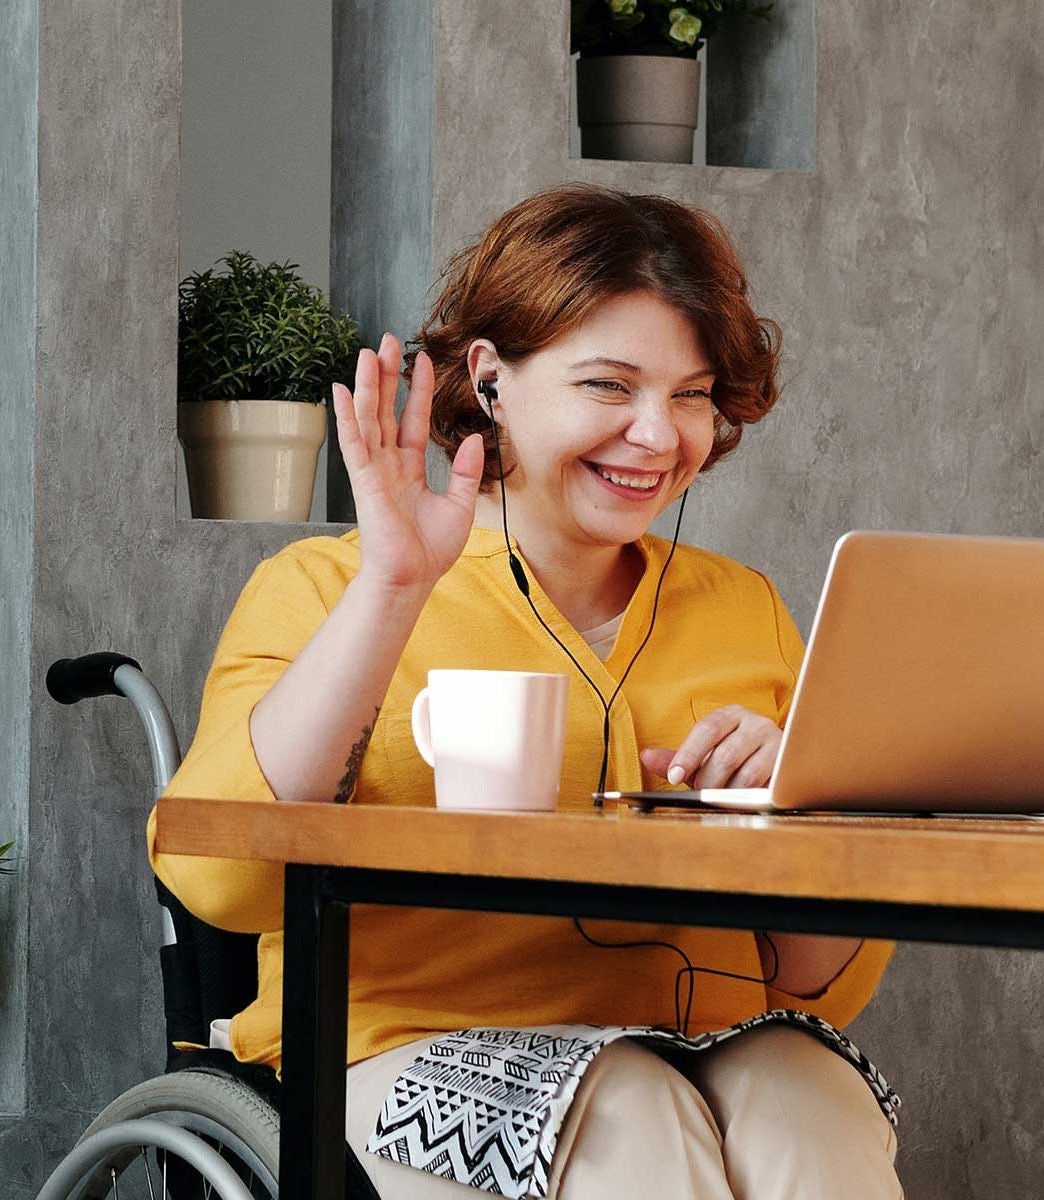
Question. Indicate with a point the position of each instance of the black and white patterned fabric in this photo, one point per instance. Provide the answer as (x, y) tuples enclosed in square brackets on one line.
[(484, 1107)]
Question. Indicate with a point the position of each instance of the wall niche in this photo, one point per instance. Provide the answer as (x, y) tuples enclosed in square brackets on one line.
[(757, 94)]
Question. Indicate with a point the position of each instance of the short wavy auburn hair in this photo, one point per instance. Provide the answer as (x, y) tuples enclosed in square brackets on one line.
[(546, 263)]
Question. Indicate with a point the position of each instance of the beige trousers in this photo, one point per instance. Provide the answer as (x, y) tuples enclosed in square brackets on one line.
[(769, 1115)]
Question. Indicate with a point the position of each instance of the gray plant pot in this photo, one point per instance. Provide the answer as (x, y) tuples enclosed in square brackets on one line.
[(251, 460), (638, 107)]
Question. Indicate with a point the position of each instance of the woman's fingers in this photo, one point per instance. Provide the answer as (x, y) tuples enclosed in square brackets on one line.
[(389, 358), (657, 759), (704, 737), (730, 747), (416, 416), (367, 417), (466, 472), (367, 397), (353, 448), (740, 760), (757, 770)]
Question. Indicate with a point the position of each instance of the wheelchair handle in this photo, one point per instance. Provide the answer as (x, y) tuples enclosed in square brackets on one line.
[(70, 680)]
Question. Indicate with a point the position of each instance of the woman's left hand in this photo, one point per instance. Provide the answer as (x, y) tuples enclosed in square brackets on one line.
[(729, 747)]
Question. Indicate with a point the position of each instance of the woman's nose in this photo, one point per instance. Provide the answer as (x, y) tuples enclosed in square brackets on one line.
[(654, 428)]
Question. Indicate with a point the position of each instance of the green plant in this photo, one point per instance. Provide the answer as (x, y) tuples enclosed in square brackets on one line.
[(6, 866), (259, 333), (653, 26)]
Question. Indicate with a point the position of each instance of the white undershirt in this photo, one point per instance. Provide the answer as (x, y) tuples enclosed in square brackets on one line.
[(602, 637)]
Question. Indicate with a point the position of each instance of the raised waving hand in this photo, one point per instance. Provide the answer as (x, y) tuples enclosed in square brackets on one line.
[(410, 536)]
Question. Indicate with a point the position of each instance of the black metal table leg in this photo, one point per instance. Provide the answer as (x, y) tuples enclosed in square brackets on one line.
[(315, 1030)]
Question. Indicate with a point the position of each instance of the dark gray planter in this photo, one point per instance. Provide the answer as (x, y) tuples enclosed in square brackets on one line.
[(638, 107)]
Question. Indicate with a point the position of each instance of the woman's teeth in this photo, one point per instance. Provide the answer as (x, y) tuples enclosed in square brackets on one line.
[(640, 482)]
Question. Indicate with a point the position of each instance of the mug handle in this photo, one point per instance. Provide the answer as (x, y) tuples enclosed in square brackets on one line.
[(420, 719)]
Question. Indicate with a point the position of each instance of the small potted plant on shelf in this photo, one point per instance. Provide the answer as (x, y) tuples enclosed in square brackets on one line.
[(258, 350), (637, 77)]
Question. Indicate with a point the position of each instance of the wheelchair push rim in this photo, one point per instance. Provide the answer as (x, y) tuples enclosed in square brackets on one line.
[(191, 1135)]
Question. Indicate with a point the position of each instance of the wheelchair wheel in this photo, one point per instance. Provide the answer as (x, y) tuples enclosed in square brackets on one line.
[(228, 1116)]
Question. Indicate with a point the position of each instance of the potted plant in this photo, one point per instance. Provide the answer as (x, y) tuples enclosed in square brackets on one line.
[(258, 350), (637, 78)]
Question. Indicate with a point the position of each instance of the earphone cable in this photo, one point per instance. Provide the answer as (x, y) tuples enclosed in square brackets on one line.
[(523, 586), (635, 945), (689, 970)]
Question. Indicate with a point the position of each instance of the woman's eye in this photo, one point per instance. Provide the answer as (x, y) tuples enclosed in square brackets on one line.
[(692, 396)]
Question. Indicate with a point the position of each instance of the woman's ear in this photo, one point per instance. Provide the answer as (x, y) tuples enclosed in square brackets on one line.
[(483, 363)]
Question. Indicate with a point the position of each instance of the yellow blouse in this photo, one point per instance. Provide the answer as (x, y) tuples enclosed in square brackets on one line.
[(722, 636)]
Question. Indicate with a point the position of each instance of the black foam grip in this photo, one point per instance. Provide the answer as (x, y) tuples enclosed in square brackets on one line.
[(73, 679)]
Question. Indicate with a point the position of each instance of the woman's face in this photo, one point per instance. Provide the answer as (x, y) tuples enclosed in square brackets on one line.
[(628, 394)]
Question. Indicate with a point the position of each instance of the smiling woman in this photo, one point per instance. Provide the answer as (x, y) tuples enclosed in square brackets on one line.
[(627, 359), (545, 265), (608, 342), (594, 461)]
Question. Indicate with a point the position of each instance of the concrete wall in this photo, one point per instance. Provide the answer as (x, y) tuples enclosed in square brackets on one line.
[(17, 423), (905, 270), (380, 236), (761, 109)]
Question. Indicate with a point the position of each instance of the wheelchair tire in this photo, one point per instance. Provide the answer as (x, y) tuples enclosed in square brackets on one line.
[(229, 1115)]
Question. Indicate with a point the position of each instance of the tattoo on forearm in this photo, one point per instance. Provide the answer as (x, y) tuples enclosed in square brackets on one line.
[(344, 788)]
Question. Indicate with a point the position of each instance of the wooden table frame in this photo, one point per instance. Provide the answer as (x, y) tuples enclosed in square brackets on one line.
[(972, 881)]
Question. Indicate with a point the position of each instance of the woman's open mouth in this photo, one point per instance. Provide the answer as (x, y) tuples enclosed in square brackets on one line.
[(635, 485)]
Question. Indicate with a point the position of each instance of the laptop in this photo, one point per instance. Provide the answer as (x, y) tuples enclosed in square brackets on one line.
[(922, 686)]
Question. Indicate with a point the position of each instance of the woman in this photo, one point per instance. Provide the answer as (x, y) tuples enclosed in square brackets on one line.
[(620, 358)]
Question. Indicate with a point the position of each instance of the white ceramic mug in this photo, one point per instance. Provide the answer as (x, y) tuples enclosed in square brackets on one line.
[(495, 738)]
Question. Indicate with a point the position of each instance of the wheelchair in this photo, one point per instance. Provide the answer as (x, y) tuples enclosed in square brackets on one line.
[(209, 1125)]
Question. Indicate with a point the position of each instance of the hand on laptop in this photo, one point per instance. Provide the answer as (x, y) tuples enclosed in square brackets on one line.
[(729, 747)]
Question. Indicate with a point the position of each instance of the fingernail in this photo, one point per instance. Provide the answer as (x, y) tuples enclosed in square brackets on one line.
[(675, 774)]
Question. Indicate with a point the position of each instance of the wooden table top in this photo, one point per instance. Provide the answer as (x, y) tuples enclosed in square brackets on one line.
[(976, 862)]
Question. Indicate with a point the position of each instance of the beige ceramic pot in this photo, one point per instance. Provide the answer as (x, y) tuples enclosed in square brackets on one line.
[(637, 107), (251, 460)]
